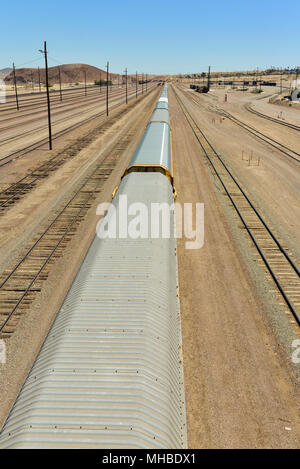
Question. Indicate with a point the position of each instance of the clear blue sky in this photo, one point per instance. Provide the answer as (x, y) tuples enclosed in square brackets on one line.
[(155, 36)]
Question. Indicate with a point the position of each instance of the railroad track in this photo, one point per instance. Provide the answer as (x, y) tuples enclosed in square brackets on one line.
[(79, 112), (14, 138), (18, 189), (63, 106), (39, 99), (56, 104), (273, 119), (20, 284), (25, 150), (294, 155), (279, 264)]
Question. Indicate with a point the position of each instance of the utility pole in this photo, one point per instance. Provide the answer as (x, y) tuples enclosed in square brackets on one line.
[(16, 89), (142, 83), (126, 85), (136, 85), (48, 95), (260, 80), (208, 79), (39, 79), (107, 74), (85, 89), (60, 92)]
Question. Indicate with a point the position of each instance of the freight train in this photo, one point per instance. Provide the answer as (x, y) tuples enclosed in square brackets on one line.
[(110, 371)]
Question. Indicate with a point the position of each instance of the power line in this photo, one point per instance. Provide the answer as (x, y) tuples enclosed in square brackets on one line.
[(26, 63)]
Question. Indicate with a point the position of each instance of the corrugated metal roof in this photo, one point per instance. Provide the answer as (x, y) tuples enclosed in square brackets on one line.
[(160, 115), (154, 148), (109, 374), (162, 105)]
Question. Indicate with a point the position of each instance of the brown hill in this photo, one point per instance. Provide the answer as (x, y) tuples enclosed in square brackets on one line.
[(70, 73)]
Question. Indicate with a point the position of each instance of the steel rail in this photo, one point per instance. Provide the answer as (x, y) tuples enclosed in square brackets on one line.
[(61, 107), (55, 247), (38, 99), (273, 119), (295, 268), (46, 166), (117, 147), (7, 140), (56, 93), (79, 112), (257, 133), (58, 134), (56, 105), (15, 137), (261, 135), (72, 95)]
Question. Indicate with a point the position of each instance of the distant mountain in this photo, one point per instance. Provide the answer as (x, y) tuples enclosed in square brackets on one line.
[(4, 72), (70, 73)]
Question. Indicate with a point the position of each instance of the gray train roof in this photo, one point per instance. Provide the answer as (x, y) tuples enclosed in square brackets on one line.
[(160, 115), (110, 374), (162, 105), (154, 148)]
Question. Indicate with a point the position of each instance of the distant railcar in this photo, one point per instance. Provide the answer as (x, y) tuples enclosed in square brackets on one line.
[(202, 89)]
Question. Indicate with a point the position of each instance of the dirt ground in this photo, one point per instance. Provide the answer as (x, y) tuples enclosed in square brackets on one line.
[(240, 391)]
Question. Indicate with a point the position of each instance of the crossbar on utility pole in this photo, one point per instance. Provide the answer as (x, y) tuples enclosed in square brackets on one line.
[(16, 89), (107, 74)]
